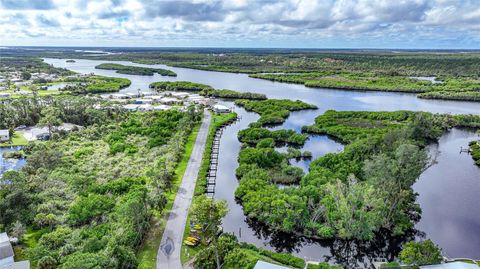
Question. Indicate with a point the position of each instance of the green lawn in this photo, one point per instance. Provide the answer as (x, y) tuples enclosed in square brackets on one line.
[(17, 140), (147, 254)]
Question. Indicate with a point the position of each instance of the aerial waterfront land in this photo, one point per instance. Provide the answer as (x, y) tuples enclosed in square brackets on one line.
[(323, 148)]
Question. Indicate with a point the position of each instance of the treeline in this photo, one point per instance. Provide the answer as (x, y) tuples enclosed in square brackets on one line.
[(136, 70), (355, 193), (71, 109), (30, 65), (451, 95), (268, 139), (273, 111), (233, 255), (204, 90), (447, 88), (257, 61), (96, 84), (91, 205)]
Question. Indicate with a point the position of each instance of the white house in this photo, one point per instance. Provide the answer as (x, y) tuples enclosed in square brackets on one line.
[(169, 100), (6, 250), (16, 265), (267, 265), (4, 136), (143, 101), (221, 109)]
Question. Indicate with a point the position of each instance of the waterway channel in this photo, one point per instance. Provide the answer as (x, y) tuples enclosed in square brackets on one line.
[(448, 191)]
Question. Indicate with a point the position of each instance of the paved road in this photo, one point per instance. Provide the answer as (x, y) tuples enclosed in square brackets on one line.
[(168, 255)]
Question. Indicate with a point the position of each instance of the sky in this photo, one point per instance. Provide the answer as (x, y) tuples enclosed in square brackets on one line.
[(402, 24)]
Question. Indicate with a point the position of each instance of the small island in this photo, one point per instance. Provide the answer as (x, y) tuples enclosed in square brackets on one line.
[(70, 61), (136, 70)]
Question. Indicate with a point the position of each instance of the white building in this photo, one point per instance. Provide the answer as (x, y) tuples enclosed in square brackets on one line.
[(4, 136), (6, 250), (143, 101), (169, 100), (4, 95), (221, 109), (267, 265), (16, 265)]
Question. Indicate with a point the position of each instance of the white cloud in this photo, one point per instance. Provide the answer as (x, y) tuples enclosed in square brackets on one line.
[(344, 23)]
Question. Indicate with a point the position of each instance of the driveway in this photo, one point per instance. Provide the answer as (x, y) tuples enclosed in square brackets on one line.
[(168, 255)]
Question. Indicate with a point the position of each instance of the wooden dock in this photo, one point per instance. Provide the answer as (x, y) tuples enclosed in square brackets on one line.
[(213, 167)]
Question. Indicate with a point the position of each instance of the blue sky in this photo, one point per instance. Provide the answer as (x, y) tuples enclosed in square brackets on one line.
[(415, 24)]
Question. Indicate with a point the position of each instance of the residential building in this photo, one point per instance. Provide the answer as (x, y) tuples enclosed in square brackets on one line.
[(267, 265), (4, 135), (6, 250), (221, 109)]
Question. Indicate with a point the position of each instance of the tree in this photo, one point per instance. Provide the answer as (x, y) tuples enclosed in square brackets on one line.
[(394, 174), (209, 213), (50, 118), (421, 253), (26, 75), (18, 230)]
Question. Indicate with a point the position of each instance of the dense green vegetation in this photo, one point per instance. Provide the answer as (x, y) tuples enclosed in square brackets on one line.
[(273, 111), (265, 138), (421, 253), (96, 84), (352, 194), (136, 70), (204, 90), (475, 151), (233, 255), (29, 65), (95, 214), (452, 95), (28, 111), (178, 86)]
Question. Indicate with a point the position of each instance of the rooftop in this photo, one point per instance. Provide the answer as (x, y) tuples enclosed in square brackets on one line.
[(267, 265), (451, 265), (16, 265), (6, 249)]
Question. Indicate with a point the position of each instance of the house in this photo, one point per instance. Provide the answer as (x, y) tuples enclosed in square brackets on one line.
[(145, 107), (147, 93), (4, 135), (16, 265), (4, 95), (267, 265), (6, 250), (131, 107), (169, 100), (161, 107), (221, 109), (119, 96), (451, 265), (143, 101), (179, 94)]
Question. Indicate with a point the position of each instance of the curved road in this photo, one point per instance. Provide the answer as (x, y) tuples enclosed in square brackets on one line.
[(168, 255)]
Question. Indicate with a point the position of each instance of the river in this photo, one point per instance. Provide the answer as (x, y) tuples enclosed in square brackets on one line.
[(447, 191)]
